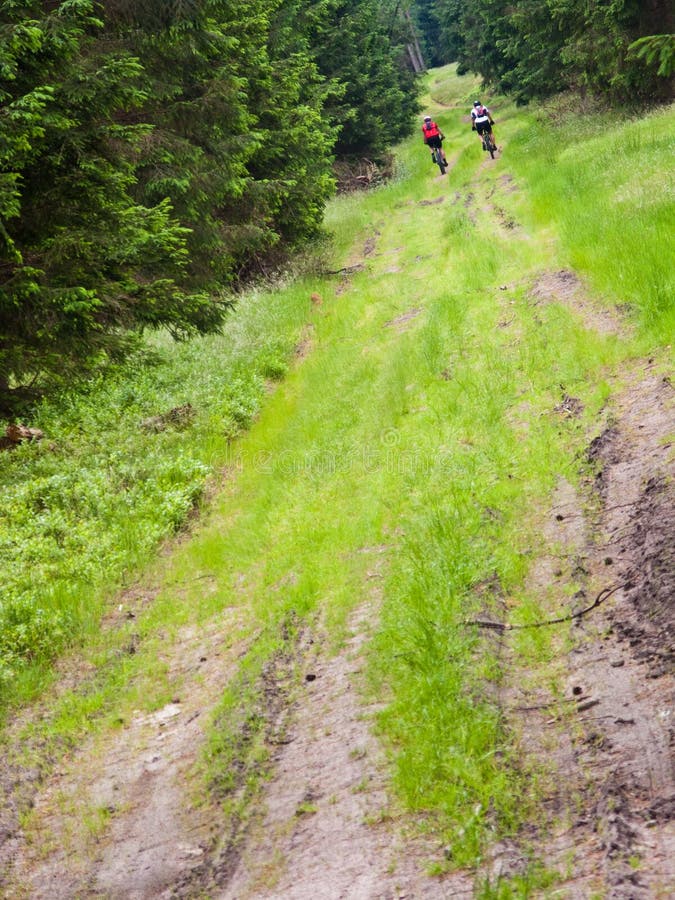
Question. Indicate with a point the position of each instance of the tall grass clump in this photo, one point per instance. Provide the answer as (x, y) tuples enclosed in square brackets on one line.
[(607, 185)]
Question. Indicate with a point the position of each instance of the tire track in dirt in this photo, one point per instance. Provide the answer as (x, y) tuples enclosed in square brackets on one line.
[(117, 819), (630, 739), (612, 809), (120, 819), (565, 287), (323, 827)]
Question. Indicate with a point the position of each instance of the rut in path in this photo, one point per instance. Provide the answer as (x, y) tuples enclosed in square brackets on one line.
[(118, 818), (613, 809), (320, 837), (321, 832)]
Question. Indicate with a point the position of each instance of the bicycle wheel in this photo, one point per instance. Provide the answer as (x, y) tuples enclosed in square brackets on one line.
[(439, 160), (490, 144)]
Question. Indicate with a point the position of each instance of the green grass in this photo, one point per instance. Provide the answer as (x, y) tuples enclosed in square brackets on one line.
[(608, 188), (423, 422), (447, 88), (533, 882), (84, 509)]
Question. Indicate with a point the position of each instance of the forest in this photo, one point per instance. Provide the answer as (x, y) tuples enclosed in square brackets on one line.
[(608, 51), (155, 157)]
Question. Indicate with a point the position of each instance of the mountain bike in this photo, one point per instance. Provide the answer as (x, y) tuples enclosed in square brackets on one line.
[(438, 159), (489, 143)]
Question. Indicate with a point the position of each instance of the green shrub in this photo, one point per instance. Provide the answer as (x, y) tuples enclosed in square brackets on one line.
[(92, 501)]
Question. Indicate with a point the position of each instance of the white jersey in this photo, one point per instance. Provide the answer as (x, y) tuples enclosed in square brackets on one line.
[(480, 115)]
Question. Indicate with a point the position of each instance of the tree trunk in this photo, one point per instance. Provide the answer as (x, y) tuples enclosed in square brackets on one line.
[(416, 52), (413, 59)]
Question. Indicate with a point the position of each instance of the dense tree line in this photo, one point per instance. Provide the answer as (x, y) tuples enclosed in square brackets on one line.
[(618, 50), (152, 155)]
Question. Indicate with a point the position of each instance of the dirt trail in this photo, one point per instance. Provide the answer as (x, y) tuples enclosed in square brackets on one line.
[(625, 659), (325, 831), (612, 739), (119, 818)]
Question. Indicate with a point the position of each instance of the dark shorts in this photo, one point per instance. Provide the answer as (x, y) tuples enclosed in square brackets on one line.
[(482, 127), (435, 141)]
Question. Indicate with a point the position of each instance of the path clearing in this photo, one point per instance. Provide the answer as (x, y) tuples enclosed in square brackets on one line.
[(122, 816)]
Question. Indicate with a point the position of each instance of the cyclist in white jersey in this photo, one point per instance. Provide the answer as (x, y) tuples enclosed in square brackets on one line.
[(481, 121)]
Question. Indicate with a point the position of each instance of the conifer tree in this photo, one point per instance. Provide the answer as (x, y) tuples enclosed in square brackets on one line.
[(84, 266), (153, 155), (359, 48), (533, 49), (227, 90)]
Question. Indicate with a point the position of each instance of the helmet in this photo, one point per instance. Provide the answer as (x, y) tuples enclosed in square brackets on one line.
[(427, 118), (476, 103)]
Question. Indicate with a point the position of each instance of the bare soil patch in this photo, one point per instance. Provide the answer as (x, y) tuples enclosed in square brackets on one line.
[(507, 183), (505, 219), (117, 818), (565, 287), (401, 323), (488, 160), (609, 736), (306, 343), (370, 245), (325, 829)]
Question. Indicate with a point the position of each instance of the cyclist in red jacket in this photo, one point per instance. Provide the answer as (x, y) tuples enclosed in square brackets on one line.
[(433, 137)]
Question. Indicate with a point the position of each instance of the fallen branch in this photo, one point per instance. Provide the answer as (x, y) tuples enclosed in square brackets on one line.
[(358, 267), (604, 594), (548, 705)]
